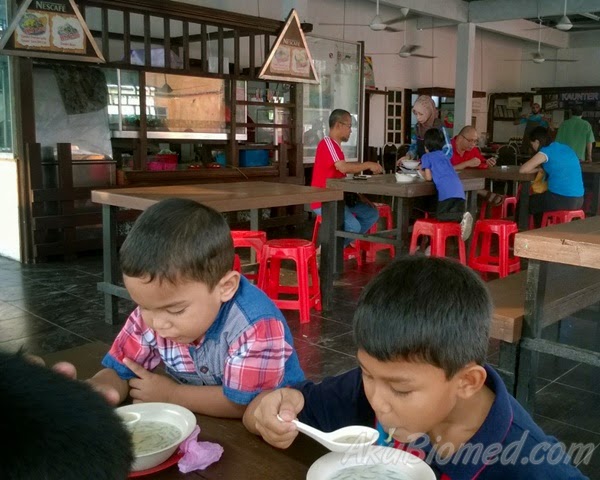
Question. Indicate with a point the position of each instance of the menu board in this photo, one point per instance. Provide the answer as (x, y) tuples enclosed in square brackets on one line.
[(50, 29), (290, 60)]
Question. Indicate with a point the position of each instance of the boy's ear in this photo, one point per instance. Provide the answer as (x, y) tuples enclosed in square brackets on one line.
[(471, 379), (228, 285)]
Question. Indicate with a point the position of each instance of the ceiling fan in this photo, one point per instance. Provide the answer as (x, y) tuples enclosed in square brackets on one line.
[(377, 24), (565, 24), (538, 57), (407, 50)]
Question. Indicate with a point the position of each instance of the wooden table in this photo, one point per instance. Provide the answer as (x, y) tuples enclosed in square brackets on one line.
[(508, 173), (224, 197), (405, 193), (245, 456), (576, 244), (593, 170)]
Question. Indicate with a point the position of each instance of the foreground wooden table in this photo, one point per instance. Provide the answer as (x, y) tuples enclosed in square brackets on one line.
[(405, 193), (508, 173), (576, 244), (245, 455), (224, 197)]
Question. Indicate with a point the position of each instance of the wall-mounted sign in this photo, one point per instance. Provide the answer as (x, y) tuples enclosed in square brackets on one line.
[(50, 29), (289, 60)]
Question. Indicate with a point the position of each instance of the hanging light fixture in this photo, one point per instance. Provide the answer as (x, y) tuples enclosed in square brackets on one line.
[(166, 88)]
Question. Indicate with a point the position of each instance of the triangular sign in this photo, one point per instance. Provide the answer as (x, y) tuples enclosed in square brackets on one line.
[(50, 29), (289, 60)]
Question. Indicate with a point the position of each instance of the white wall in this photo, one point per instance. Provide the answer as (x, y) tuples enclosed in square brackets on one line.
[(9, 214)]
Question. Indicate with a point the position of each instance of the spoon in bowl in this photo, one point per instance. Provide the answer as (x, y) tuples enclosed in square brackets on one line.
[(341, 440)]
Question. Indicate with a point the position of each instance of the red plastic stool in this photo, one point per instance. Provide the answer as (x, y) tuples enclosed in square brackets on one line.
[(480, 256), (303, 252), (349, 252), (237, 264), (371, 248), (254, 239), (439, 233), (505, 210), (561, 216)]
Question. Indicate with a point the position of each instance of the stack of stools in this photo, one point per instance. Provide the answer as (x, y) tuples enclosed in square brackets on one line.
[(253, 239), (481, 257), (438, 232), (349, 252), (506, 210), (561, 216), (371, 248), (307, 289)]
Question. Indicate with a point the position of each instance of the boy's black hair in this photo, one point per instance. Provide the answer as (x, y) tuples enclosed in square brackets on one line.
[(56, 428), (338, 115), (425, 309), (542, 135), (179, 239), (434, 140)]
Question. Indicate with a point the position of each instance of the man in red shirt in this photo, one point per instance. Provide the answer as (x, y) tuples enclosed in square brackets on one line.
[(330, 162), (465, 154)]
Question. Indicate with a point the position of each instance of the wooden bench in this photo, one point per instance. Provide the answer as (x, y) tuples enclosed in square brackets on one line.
[(568, 291)]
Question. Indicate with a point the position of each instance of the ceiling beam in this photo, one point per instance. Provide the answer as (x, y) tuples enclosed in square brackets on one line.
[(496, 10), (453, 10)]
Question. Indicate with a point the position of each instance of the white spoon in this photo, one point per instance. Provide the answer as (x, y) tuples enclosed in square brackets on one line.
[(340, 440)]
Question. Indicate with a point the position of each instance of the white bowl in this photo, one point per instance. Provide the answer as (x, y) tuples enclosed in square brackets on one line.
[(383, 461), (175, 425), (412, 164), (404, 178)]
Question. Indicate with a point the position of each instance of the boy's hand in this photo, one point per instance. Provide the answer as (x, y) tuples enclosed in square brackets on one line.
[(261, 416), (148, 387)]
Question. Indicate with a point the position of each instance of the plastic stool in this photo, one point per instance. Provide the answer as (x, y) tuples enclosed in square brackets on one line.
[(237, 264), (561, 216), (254, 239), (371, 248), (303, 252), (501, 211), (439, 233), (503, 263), (350, 251)]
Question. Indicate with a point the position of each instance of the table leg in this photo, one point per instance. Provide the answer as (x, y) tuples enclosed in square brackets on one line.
[(523, 215), (402, 222), (535, 293), (331, 249), (110, 262), (595, 195)]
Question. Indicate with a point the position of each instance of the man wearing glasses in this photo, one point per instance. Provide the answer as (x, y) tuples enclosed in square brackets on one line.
[(330, 162), (465, 153)]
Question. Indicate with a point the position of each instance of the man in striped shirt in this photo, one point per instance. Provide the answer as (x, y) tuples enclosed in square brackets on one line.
[(330, 162)]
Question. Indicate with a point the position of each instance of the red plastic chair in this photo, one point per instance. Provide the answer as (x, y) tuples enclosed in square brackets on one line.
[(480, 255), (439, 232), (254, 239), (561, 216), (350, 251), (371, 248), (307, 289)]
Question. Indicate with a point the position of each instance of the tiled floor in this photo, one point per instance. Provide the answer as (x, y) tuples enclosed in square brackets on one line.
[(50, 307)]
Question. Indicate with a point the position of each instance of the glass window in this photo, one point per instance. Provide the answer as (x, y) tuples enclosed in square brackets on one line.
[(5, 96), (338, 66)]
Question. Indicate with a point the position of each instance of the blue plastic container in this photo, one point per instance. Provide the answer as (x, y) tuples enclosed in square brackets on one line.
[(220, 159), (254, 158)]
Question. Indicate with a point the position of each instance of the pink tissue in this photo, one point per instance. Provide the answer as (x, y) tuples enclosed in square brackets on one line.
[(198, 455)]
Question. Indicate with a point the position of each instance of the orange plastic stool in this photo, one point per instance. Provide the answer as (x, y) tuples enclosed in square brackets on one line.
[(504, 211), (254, 239), (439, 233), (371, 248), (308, 290), (349, 252), (561, 216), (484, 261)]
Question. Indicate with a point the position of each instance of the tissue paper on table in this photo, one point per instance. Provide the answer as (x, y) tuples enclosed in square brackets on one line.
[(198, 455)]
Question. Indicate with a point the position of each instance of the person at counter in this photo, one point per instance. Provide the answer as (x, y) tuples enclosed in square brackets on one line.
[(359, 215), (563, 175), (577, 134)]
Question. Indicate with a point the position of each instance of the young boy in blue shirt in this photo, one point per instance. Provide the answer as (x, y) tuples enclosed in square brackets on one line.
[(422, 330), (436, 167), (220, 339)]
